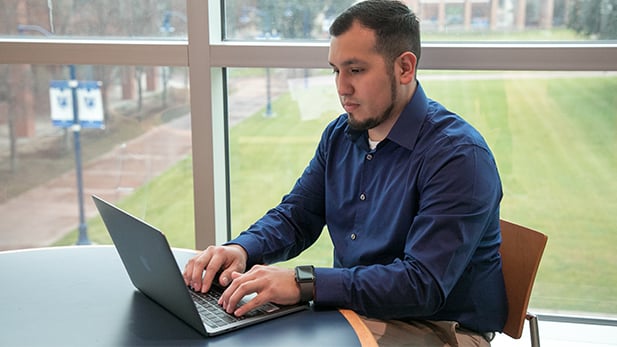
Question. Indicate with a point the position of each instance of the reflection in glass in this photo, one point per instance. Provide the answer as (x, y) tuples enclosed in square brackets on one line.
[(141, 159), (553, 135), (269, 150)]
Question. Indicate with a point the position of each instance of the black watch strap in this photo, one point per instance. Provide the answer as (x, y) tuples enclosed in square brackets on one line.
[(305, 277)]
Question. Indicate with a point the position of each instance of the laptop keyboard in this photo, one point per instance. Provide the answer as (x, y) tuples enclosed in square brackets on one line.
[(215, 316)]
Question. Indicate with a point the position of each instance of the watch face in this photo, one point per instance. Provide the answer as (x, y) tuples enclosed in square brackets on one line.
[(304, 273)]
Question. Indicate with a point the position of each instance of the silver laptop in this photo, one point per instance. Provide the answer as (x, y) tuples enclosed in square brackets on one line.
[(150, 263)]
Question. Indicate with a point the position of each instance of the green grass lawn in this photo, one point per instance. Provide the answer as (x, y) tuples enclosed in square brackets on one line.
[(555, 140), (165, 202), (556, 146)]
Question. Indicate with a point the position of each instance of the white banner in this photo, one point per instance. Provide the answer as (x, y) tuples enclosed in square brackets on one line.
[(61, 102), (89, 104)]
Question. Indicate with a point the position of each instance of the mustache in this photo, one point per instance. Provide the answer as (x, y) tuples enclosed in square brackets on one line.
[(347, 101)]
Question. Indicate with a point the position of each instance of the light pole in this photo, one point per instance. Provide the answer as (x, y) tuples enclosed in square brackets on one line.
[(167, 29), (269, 113), (268, 33), (76, 128), (268, 93)]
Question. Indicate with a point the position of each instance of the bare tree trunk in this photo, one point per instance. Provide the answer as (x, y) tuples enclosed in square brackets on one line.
[(20, 107), (12, 140), (140, 88)]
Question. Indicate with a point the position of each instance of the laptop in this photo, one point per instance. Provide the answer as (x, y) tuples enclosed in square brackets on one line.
[(152, 268)]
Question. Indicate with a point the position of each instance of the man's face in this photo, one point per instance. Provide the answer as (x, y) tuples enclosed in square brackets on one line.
[(365, 84)]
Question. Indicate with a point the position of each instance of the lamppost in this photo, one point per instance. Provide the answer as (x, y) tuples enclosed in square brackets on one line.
[(76, 128), (269, 113), (268, 93), (167, 29)]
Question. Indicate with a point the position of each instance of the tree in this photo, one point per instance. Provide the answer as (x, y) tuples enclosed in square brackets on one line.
[(594, 18), (296, 19), (16, 80)]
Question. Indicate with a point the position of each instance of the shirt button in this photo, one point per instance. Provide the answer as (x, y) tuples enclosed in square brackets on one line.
[(369, 157), (353, 236), (362, 197)]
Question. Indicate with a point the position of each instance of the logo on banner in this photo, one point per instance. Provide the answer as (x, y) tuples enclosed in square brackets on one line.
[(89, 104)]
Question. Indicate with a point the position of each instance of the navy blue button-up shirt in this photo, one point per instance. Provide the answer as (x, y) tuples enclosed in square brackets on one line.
[(414, 223)]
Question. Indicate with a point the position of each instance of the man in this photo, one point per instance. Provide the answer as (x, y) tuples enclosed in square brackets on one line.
[(409, 193)]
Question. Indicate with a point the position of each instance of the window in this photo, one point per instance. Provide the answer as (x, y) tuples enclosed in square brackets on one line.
[(552, 133), (275, 124), (440, 20), (127, 19), (543, 95), (140, 156)]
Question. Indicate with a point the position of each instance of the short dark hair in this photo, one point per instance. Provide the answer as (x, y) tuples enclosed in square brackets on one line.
[(396, 27)]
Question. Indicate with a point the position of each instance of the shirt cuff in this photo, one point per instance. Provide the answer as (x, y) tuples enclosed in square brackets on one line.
[(329, 287)]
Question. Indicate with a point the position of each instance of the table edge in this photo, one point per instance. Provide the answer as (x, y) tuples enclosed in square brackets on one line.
[(362, 331)]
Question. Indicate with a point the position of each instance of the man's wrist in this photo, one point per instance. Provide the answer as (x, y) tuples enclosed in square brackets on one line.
[(305, 278), (242, 253)]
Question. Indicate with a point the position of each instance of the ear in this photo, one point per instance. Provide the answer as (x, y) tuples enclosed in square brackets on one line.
[(407, 63)]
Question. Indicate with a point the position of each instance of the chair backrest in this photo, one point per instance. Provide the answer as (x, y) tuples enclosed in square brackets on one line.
[(521, 252)]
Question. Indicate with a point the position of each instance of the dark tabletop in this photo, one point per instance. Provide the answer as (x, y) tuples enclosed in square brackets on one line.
[(82, 296)]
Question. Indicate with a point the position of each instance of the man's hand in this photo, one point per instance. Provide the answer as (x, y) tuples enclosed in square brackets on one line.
[(224, 259), (270, 283)]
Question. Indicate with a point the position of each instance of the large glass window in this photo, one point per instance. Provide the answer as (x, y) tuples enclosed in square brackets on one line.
[(139, 158), (554, 136)]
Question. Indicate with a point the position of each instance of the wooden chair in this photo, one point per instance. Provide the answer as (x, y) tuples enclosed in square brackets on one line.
[(521, 252)]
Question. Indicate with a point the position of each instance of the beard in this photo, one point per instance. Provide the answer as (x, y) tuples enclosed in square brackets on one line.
[(372, 122)]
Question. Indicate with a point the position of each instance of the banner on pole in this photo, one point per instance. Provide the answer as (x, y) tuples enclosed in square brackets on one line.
[(61, 102), (89, 104)]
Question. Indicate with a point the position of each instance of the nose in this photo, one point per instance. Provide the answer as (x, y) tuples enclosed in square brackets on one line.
[(343, 87)]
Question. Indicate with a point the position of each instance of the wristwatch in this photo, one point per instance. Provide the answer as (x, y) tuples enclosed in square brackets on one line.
[(305, 277)]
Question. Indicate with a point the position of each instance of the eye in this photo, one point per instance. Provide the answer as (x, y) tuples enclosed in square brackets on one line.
[(356, 70), (335, 71)]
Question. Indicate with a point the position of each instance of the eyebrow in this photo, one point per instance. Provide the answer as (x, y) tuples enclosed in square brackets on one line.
[(348, 62)]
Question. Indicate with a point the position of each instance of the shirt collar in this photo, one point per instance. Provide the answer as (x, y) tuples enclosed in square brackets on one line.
[(406, 129)]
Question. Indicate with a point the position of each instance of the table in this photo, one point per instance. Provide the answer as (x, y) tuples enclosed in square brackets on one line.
[(82, 296)]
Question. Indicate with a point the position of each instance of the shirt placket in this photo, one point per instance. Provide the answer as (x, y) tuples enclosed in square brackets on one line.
[(363, 198)]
